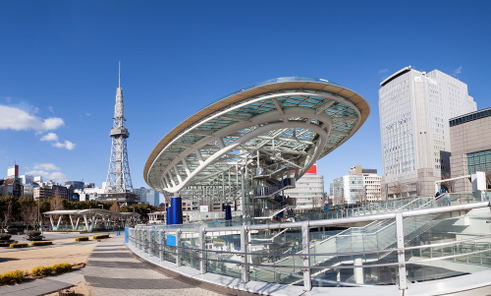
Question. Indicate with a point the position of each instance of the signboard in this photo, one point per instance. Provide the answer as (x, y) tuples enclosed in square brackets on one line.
[(203, 209)]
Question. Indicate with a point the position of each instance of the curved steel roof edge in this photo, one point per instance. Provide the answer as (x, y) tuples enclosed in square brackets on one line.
[(242, 94)]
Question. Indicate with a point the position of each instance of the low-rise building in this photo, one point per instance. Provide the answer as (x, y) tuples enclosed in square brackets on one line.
[(308, 191), (470, 137)]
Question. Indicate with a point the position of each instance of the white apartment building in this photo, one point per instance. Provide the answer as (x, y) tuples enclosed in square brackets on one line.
[(308, 191), (414, 111), (359, 186)]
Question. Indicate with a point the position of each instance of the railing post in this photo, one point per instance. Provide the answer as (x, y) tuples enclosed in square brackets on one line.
[(140, 243), (161, 254), (244, 242), (202, 245), (178, 247), (307, 283), (400, 253), (149, 246)]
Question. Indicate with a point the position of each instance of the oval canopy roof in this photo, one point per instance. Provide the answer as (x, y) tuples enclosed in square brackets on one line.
[(293, 120)]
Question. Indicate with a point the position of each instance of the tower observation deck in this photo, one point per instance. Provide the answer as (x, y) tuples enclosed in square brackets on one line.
[(118, 183)]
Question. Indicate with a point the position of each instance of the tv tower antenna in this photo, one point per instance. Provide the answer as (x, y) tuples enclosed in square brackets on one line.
[(118, 177)]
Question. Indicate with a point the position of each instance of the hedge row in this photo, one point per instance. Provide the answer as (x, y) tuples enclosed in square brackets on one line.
[(101, 236), (81, 239), (41, 243), (12, 277), (18, 245), (53, 269)]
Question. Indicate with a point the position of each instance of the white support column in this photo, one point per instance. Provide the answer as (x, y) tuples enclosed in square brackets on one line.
[(178, 248), (202, 253), (244, 243), (400, 253), (87, 224), (59, 220), (76, 223), (358, 271), (71, 221), (52, 222), (307, 283)]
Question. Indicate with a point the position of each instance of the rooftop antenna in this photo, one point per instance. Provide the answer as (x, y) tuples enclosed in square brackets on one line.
[(119, 74)]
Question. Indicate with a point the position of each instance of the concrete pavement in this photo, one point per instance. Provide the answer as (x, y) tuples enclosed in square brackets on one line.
[(113, 270)]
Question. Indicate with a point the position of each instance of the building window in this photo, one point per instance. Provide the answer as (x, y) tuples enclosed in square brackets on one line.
[(479, 161)]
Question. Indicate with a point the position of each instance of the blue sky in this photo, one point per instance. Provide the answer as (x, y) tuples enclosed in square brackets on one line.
[(59, 62)]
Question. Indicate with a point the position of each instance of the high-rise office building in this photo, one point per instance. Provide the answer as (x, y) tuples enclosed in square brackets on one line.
[(414, 111), (148, 196)]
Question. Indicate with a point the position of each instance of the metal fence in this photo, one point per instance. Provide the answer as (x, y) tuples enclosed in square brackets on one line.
[(390, 249)]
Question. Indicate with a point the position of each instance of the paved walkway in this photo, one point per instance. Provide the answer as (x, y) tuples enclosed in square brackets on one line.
[(113, 270), (43, 286)]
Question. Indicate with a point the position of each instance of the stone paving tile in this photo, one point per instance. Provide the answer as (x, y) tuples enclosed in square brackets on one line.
[(113, 270), (43, 286)]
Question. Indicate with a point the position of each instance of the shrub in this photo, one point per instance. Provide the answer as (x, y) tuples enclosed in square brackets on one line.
[(12, 277), (33, 233), (48, 270), (101, 236), (45, 243), (62, 267), (18, 245), (5, 236), (42, 270), (81, 239)]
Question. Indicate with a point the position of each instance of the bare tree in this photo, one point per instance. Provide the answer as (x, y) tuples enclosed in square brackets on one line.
[(7, 214), (29, 214), (318, 201), (397, 189), (56, 203), (488, 178), (115, 207), (449, 184)]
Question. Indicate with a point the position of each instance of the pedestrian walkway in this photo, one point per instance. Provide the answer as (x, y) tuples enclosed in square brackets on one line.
[(43, 286), (113, 270)]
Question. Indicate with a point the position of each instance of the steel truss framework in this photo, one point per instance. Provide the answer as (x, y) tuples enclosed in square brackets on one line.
[(254, 138), (118, 176)]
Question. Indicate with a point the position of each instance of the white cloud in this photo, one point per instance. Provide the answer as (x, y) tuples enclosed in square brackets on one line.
[(55, 176), (18, 119), (67, 145), (50, 137), (457, 71), (381, 71), (46, 166)]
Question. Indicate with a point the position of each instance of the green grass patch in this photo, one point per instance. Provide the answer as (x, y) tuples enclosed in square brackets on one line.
[(18, 245), (45, 243)]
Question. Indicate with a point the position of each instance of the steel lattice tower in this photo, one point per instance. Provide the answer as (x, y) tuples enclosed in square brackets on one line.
[(118, 177)]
